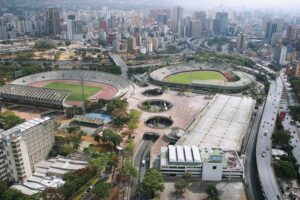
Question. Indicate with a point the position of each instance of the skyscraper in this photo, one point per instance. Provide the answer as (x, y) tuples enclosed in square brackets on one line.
[(195, 28), (271, 28), (242, 42), (54, 21), (279, 55), (177, 17), (71, 27), (131, 44), (221, 23)]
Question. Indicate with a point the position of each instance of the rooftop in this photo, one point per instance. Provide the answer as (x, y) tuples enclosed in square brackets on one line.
[(222, 124)]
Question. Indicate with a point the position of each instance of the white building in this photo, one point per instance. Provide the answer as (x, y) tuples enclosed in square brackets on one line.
[(23, 147), (148, 45), (71, 27), (208, 164), (279, 55)]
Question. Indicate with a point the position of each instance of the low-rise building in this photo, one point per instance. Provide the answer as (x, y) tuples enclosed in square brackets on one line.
[(207, 164)]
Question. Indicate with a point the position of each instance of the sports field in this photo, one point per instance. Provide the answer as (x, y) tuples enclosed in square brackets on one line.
[(75, 88), (188, 77)]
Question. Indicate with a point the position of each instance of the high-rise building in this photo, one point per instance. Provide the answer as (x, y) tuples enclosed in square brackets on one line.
[(199, 15), (292, 32), (116, 45), (271, 28), (148, 45), (297, 72), (242, 42), (54, 21), (221, 23), (177, 17), (154, 43), (131, 44), (70, 27), (24, 146), (3, 32), (195, 28), (279, 55)]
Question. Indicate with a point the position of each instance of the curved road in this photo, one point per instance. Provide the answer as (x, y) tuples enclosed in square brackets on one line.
[(263, 146)]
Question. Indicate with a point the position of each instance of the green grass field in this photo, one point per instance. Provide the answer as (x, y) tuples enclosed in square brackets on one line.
[(187, 77), (76, 90)]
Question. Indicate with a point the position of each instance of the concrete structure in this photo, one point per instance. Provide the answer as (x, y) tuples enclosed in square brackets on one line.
[(148, 45), (131, 44), (177, 16), (207, 164), (117, 82), (221, 23), (49, 173), (297, 72), (196, 27), (54, 21), (244, 82), (279, 55), (35, 96), (242, 42), (222, 124), (71, 27), (24, 146)]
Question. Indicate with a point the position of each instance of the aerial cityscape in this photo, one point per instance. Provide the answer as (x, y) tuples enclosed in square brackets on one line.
[(149, 100)]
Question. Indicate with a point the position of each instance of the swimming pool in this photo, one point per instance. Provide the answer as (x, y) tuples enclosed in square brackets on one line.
[(106, 118)]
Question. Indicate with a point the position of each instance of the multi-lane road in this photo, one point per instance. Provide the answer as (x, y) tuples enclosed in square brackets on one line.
[(263, 147)]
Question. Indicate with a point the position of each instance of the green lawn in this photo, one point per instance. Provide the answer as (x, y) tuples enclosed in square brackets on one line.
[(187, 77), (76, 90)]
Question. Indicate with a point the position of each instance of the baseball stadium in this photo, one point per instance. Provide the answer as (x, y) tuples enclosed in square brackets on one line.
[(58, 89), (203, 76)]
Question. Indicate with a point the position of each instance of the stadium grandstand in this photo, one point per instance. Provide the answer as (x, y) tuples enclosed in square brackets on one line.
[(32, 90), (42, 97), (236, 80)]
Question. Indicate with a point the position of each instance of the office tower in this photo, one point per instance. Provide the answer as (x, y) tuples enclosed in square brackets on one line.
[(54, 21), (199, 15), (271, 28), (102, 35), (148, 45), (221, 23), (279, 55), (242, 42), (154, 43), (112, 22), (162, 19), (177, 17), (293, 32), (131, 44), (297, 72), (116, 45), (232, 30), (3, 32), (24, 146), (70, 27), (195, 28), (103, 24)]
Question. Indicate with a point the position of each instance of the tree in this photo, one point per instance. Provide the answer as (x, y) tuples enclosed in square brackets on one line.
[(120, 117), (180, 185), (129, 169), (285, 169), (100, 162), (130, 147), (117, 104), (102, 190), (52, 194), (281, 137), (134, 119), (73, 129), (212, 192), (97, 138), (111, 137), (153, 181)]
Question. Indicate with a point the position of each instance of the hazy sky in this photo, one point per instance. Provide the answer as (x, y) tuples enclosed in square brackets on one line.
[(273, 4)]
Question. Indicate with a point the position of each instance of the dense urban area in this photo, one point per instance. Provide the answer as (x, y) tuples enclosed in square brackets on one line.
[(140, 100)]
